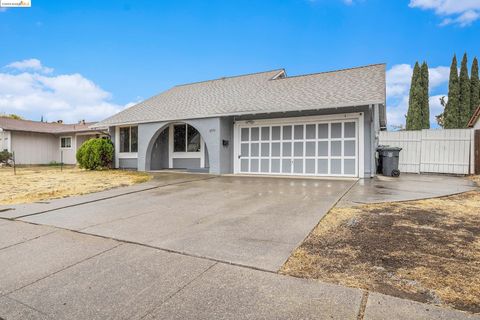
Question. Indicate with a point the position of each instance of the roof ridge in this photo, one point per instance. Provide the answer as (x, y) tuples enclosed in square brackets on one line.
[(332, 71), (229, 77), (45, 123)]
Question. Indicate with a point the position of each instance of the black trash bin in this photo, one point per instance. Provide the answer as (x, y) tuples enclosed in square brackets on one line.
[(388, 160)]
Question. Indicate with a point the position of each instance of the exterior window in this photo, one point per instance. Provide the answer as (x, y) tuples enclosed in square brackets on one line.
[(65, 142), (185, 138), (134, 139), (179, 131), (129, 139)]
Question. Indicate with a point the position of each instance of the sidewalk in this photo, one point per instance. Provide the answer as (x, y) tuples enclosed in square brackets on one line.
[(51, 273)]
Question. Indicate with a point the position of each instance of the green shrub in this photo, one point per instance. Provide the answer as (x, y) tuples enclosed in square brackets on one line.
[(5, 157), (95, 154)]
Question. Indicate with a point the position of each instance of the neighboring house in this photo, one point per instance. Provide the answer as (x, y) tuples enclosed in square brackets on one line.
[(41, 142), (474, 123), (475, 120), (322, 124)]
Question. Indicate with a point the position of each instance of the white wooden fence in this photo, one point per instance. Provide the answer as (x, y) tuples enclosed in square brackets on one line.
[(436, 151)]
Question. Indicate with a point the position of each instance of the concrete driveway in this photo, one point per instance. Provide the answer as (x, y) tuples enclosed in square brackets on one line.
[(248, 221), (53, 273)]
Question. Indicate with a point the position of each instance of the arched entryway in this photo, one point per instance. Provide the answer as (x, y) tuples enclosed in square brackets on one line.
[(178, 145)]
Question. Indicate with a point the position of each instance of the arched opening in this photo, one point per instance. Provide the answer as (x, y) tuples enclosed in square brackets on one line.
[(180, 146)]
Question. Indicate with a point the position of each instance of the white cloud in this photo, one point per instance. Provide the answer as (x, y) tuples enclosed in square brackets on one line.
[(70, 97), (29, 64), (398, 86), (461, 12)]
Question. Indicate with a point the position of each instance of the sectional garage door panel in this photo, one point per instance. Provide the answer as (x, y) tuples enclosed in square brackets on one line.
[(317, 149)]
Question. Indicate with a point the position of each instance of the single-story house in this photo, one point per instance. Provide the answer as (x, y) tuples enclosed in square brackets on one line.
[(35, 142), (266, 123), (474, 120)]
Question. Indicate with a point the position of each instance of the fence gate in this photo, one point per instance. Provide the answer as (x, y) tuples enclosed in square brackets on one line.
[(477, 151), (434, 150)]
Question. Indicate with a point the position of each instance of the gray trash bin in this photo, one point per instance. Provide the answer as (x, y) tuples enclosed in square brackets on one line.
[(388, 160)]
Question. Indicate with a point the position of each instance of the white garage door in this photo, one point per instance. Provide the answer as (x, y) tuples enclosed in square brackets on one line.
[(320, 148)]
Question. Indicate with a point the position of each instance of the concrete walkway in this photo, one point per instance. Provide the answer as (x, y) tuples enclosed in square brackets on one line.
[(50, 273), (404, 188)]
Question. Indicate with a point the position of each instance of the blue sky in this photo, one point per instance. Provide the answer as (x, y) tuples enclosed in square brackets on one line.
[(88, 59)]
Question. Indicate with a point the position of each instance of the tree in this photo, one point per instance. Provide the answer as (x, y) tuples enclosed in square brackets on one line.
[(464, 96), (451, 113), (13, 116), (414, 119), (424, 101), (474, 87)]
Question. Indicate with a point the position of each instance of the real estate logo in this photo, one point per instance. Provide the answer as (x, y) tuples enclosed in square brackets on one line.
[(15, 3)]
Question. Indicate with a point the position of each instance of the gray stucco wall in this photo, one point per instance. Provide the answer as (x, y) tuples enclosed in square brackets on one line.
[(226, 152), (186, 163), (210, 130), (128, 163), (159, 157)]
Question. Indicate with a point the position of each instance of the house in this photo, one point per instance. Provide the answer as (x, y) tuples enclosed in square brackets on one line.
[(474, 120), (474, 123), (35, 142), (266, 123)]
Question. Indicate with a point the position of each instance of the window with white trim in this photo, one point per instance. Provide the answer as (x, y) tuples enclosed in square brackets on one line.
[(185, 138), (129, 139), (65, 142)]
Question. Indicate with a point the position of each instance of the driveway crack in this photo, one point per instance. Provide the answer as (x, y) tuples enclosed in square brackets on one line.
[(27, 240), (63, 269), (363, 305), (177, 291)]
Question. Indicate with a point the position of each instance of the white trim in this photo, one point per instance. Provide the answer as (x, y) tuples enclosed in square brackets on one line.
[(357, 117), (321, 118), (240, 113), (361, 145), (9, 144), (128, 155), (92, 133), (71, 142), (117, 146)]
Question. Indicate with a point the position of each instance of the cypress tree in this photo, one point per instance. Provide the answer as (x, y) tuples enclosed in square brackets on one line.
[(414, 113), (474, 87), (464, 96), (451, 113), (425, 105)]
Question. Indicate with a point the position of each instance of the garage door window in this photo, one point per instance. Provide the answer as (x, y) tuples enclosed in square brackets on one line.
[(300, 149)]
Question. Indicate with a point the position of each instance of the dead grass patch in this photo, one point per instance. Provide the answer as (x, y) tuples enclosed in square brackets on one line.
[(33, 184), (426, 250)]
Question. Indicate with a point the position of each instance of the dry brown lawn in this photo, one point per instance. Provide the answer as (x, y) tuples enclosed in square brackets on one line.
[(426, 250), (32, 184)]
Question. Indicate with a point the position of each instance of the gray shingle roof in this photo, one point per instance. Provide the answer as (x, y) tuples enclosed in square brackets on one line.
[(260, 93)]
